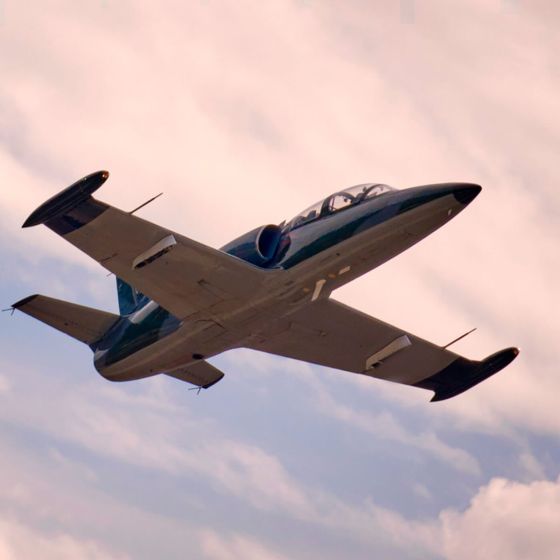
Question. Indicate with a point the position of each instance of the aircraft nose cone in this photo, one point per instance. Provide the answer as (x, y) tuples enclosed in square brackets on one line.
[(466, 192)]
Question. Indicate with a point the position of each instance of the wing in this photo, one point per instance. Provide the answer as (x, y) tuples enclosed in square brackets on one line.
[(181, 275), (331, 334)]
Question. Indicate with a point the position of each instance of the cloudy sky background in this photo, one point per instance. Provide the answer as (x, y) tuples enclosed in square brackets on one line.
[(244, 113)]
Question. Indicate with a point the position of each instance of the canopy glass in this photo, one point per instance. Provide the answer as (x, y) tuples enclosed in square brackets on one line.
[(339, 201)]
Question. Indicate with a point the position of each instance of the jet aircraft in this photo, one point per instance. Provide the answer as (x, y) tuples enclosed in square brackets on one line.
[(182, 302)]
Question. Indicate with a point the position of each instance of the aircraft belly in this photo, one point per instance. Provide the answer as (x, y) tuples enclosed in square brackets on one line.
[(204, 338), (234, 321)]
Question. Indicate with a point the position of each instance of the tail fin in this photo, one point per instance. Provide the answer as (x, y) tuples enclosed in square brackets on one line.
[(130, 299), (82, 323)]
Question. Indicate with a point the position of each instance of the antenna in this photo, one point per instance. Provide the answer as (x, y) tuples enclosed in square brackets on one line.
[(145, 203), (458, 338)]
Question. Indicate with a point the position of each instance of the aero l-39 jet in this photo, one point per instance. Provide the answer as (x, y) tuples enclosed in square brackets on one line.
[(182, 302)]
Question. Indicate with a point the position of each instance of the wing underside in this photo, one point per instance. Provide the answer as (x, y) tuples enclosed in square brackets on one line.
[(180, 274), (332, 334)]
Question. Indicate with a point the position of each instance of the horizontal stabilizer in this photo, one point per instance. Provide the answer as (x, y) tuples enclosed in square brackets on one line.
[(78, 321), (201, 373)]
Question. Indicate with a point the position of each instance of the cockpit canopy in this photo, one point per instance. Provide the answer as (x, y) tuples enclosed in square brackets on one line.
[(338, 201)]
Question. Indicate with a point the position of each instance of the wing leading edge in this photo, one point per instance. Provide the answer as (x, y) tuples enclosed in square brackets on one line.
[(332, 334)]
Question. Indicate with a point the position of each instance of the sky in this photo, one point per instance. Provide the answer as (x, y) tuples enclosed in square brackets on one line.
[(244, 113)]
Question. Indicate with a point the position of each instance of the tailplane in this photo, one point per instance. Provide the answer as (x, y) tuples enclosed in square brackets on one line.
[(200, 373), (83, 323)]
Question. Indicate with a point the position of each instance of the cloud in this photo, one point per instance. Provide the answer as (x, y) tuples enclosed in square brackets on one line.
[(147, 430), (4, 384), (383, 425), (220, 547), (531, 466), (20, 542), (252, 474), (243, 114), (505, 520), (142, 430), (54, 503)]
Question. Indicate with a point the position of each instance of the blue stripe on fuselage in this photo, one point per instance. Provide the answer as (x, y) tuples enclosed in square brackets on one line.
[(310, 239), (302, 243)]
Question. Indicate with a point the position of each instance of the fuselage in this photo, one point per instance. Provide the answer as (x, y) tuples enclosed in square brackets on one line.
[(335, 242)]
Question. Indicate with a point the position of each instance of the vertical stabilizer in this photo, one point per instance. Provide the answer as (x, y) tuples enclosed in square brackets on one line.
[(130, 299)]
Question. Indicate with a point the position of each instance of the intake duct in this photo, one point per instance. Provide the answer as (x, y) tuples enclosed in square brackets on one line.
[(258, 246)]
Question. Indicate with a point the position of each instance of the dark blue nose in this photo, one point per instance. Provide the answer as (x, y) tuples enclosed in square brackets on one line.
[(416, 196), (466, 192)]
